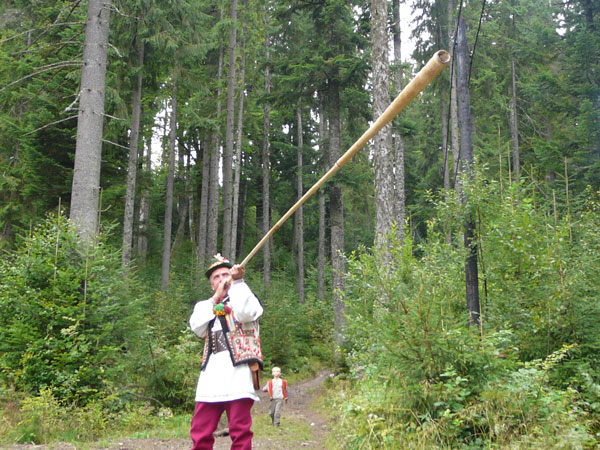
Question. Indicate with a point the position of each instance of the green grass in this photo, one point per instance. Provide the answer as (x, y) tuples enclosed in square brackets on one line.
[(84, 430), (291, 429), (176, 427)]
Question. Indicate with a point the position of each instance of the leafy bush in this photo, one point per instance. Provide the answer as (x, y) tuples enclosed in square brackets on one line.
[(527, 379), (168, 372), (293, 335), (44, 419)]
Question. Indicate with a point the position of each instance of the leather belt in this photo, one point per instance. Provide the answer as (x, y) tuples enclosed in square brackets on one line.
[(219, 343)]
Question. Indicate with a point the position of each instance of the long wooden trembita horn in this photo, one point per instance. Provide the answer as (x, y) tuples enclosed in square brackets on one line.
[(431, 70)]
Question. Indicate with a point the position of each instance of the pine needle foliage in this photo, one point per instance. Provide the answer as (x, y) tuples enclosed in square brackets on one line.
[(69, 318)]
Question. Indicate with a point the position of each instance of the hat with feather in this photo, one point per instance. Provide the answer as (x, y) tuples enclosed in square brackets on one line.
[(217, 262)]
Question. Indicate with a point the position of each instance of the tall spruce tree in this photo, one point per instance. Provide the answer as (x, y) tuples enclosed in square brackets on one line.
[(383, 155), (85, 192)]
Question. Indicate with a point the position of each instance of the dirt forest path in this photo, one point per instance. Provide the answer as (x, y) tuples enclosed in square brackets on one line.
[(298, 410)]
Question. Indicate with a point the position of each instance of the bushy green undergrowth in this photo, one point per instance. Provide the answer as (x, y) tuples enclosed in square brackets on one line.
[(418, 377), (44, 419), (87, 349), (69, 318)]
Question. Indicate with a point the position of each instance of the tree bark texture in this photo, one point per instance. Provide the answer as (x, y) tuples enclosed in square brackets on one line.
[(144, 211), (299, 223), (166, 247), (321, 251), (382, 142), (238, 149), (400, 193), (336, 212), (323, 141), (466, 156), (514, 125), (228, 153), (85, 190), (203, 214), (454, 135), (213, 192), (266, 170), (182, 201), (133, 153)]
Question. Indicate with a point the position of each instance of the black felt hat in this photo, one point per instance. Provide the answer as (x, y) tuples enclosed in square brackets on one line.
[(217, 261)]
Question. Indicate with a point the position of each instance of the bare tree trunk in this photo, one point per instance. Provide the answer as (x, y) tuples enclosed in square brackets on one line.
[(323, 141), (299, 223), (166, 248), (228, 153), (400, 197), (189, 193), (144, 212), (444, 115), (514, 125), (382, 142), (443, 118), (453, 102), (133, 154), (321, 255), (85, 192), (266, 170), (466, 150), (203, 214), (182, 201), (238, 149), (244, 205), (213, 192), (445, 147), (336, 207)]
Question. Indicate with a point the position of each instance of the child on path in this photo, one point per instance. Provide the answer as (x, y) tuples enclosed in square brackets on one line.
[(277, 389)]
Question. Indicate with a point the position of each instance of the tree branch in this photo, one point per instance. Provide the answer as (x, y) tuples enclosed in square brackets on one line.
[(29, 50), (47, 68), (50, 124), (114, 143), (40, 28)]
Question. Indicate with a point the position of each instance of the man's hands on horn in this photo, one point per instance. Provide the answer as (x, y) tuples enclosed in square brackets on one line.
[(237, 272)]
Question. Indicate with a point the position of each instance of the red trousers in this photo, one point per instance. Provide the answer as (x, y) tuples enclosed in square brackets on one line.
[(206, 419)]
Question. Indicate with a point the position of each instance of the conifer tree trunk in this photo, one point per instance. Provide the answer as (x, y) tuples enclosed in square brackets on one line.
[(166, 247), (514, 125), (182, 201), (203, 213), (238, 149), (242, 214), (336, 212), (466, 150), (213, 191), (189, 194), (453, 99), (321, 251), (321, 256), (228, 153), (444, 116), (85, 190), (133, 153), (144, 212), (299, 223), (382, 142), (400, 193), (266, 170)]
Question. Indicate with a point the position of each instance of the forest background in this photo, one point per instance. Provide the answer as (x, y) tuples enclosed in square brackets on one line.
[(448, 275)]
